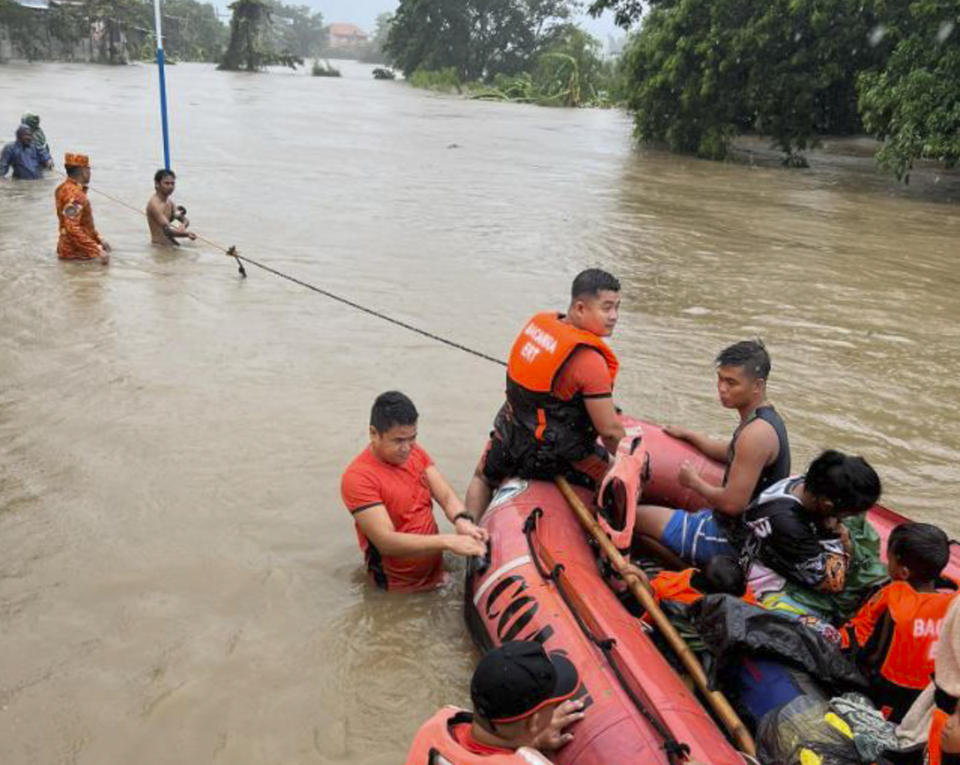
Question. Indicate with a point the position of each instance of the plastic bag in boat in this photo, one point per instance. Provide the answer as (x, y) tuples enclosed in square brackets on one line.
[(732, 629), (813, 731)]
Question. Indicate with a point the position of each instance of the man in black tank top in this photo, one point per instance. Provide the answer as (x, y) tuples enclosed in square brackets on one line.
[(757, 456)]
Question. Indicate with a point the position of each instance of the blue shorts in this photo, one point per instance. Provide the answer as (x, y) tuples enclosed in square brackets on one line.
[(696, 537)]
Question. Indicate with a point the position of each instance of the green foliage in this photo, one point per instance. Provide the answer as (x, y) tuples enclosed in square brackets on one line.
[(192, 31), (478, 38), (324, 70), (569, 70), (566, 71), (912, 103), (626, 13), (26, 27), (443, 80), (701, 71), (251, 34)]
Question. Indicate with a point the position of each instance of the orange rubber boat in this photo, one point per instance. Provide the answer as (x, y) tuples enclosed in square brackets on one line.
[(543, 582)]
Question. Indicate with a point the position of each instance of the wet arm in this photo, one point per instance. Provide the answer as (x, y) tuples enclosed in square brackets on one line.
[(444, 493), (5, 161), (376, 525), (452, 505), (714, 448), (603, 415), (753, 452)]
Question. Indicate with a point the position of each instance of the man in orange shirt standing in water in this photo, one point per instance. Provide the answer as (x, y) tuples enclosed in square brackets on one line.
[(560, 379), (389, 489), (79, 239)]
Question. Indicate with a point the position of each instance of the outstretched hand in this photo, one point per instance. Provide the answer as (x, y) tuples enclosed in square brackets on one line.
[(554, 736)]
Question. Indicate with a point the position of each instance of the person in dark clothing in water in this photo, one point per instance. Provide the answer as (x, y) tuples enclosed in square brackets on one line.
[(756, 457)]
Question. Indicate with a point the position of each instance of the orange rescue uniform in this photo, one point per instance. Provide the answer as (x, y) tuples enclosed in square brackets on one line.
[(895, 635), (544, 427), (79, 239)]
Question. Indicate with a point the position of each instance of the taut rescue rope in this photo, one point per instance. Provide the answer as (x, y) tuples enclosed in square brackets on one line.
[(241, 259)]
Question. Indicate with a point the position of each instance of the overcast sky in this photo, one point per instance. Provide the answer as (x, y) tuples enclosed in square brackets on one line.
[(363, 13)]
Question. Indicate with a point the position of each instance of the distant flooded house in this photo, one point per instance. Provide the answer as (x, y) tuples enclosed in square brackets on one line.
[(342, 35)]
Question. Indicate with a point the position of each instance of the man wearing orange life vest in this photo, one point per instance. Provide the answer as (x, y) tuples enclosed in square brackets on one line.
[(79, 239), (560, 378), (522, 701), (895, 634)]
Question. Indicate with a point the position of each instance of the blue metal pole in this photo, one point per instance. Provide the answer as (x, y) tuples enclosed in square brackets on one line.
[(163, 87)]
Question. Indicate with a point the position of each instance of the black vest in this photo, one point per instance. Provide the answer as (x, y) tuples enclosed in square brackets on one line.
[(780, 467)]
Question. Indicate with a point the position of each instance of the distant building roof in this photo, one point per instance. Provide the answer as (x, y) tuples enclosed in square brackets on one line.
[(342, 29)]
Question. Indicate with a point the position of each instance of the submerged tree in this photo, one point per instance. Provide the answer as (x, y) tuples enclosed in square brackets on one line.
[(249, 46)]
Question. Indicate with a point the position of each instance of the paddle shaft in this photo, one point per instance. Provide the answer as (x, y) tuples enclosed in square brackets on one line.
[(718, 702)]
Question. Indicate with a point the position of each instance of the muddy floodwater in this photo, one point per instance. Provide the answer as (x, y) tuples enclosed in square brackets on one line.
[(179, 582)]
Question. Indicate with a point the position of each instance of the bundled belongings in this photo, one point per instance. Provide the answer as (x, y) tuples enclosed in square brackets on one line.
[(811, 731), (732, 628)]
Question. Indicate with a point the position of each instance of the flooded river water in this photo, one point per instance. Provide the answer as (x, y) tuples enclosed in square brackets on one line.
[(179, 582)]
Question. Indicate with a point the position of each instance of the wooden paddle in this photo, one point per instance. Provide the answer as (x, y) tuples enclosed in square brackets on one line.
[(639, 587)]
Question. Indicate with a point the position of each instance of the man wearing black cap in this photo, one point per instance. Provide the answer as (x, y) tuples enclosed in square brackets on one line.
[(522, 700)]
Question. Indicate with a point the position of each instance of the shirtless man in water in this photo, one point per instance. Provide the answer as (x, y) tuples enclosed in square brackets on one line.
[(167, 223)]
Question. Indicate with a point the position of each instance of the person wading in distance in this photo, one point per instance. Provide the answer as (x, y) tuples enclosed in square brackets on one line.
[(167, 223)]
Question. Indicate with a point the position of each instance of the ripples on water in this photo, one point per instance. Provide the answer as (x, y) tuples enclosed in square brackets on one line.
[(178, 579)]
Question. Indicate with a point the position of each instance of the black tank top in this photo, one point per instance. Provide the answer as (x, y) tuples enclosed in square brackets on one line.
[(776, 470)]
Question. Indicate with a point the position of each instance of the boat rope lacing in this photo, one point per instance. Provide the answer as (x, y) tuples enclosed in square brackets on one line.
[(241, 259), (676, 751)]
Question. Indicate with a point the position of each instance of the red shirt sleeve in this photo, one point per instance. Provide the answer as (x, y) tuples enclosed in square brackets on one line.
[(360, 489), (585, 373)]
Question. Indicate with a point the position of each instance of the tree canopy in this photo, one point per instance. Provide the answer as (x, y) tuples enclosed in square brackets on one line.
[(477, 38), (699, 72), (253, 38)]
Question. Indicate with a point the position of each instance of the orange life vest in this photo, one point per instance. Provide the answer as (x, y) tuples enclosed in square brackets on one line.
[(552, 431), (434, 744), (917, 619)]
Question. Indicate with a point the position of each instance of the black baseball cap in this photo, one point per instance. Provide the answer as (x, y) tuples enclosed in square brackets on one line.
[(519, 678)]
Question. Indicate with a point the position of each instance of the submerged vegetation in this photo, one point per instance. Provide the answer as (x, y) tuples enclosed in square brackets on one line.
[(326, 69), (513, 50)]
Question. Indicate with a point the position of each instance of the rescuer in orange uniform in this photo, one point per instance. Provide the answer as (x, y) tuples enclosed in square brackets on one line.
[(894, 636), (79, 239), (560, 379)]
